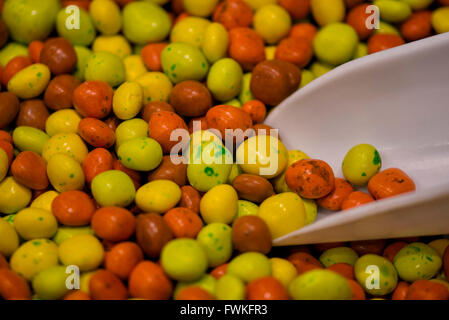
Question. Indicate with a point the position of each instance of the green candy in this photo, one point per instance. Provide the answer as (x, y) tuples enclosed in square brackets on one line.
[(338, 255), (83, 54), (190, 30), (246, 208), (145, 22), (230, 287), (29, 20), (417, 261), (141, 154), (335, 43), (307, 76), (216, 239), (30, 139), (361, 163), (393, 10), (376, 274), (113, 188), (250, 266), (107, 67), (245, 94), (50, 283), (65, 233), (225, 79), (182, 61), (82, 36)]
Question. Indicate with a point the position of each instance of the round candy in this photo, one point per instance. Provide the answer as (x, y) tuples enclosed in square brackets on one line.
[(45, 200), (156, 86), (251, 233), (106, 16), (219, 204), (107, 67), (59, 55), (158, 196), (83, 54), (32, 223), (338, 255), (389, 183), (30, 139), (361, 163), (375, 274), (84, 251), (113, 188), (65, 173), (29, 169), (246, 208), (30, 82), (152, 233), (184, 260), (142, 154), (417, 261), (230, 287), (272, 22), (117, 45), (250, 266), (66, 143), (283, 213), (320, 285), (216, 239), (215, 42), (130, 129), (190, 30), (13, 196), (440, 18), (134, 67), (283, 270), (191, 98), (128, 100), (393, 11), (59, 93), (65, 233), (50, 283), (224, 79)]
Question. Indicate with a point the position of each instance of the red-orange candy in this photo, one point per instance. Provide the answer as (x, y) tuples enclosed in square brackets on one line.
[(77, 295), (310, 178), (233, 14), (151, 56), (96, 133), (298, 51), (418, 26), (14, 66), (30, 169), (8, 148), (13, 286), (34, 50), (389, 183), (153, 107), (304, 262), (93, 99), (356, 199), (190, 198), (298, 9), (97, 161), (256, 109), (224, 117), (161, 126), (73, 208), (427, 290), (113, 224), (380, 42), (183, 222), (391, 250), (104, 285), (246, 47), (219, 271), (194, 293), (357, 290), (303, 30), (9, 107), (344, 269), (267, 288), (123, 258), (401, 291), (3, 262), (148, 281), (357, 18), (334, 200)]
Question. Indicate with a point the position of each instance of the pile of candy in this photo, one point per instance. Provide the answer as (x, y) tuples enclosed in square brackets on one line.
[(97, 175)]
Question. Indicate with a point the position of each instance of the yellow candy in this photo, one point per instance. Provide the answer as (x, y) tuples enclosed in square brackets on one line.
[(30, 82), (127, 101), (158, 196), (156, 86), (32, 223), (328, 11), (246, 208), (219, 204), (85, 281), (270, 52), (190, 30), (361, 163), (215, 42), (216, 239), (13, 196), (62, 121), (307, 76), (393, 11), (283, 270), (256, 4), (283, 213), (440, 20), (106, 16), (134, 67), (203, 8), (130, 129), (250, 266), (361, 51), (117, 45), (235, 171), (319, 68), (113, 188), (439, 245), (34, 256), (225, 79), (262, 155), (65, 173), (9, 240), (4, 165), (338, 255), (245, 92), (29, 139), (272, 22), (65, 233), (84, 251), (50, 284), (66, 143), (44, 201)]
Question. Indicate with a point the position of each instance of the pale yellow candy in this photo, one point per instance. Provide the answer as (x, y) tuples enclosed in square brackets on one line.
[(62, 121), (156, 86), (328, 11), (234, 103), (127, 100), (158, 196), (225, 79), (134, 67), (215, 42), (29, 139), (246, 208), (106, 16), (440, 20), (65, 233), (45, 200), (13, 196), (66, 143), (117, 45), (30, 82), (10, 51), (190, 30), (33, 223), (65, 173)]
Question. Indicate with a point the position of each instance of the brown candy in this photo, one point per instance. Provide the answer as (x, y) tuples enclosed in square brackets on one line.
[(152, 233), (252, 187), (251, 233), (9, 107), (274, 80), (167, 170), (33, 113), (29, 169), (191, 99), (59, 55), (190, 198), (155, 106), (59, 93)]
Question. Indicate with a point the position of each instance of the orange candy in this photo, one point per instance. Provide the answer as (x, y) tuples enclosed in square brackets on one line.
[(96, 133), (224, 117), (155, 106), (233, 14), (310, 178), (104, 285), (93, 99), (357, 18), (97, 161), (219, 271), (8, 148), (148, 281), (401, 291), (357, 290), (298, 51), (14, 65), (418, 26), (194, 293), (134, 175), (298, 9), (73, 208), (303, 30), (390, 183), (5, 136), (380, 42), (183, 222), (13, 286), (356, 199), (266, 288), (161, 126), (122, 259), (256, 109), (304, 262), (77, 295), (427, 290), (391, 250), (34, 50), (246, 47), (344, 269), (190, 198), (151, 56), (3, 262), (334, 200), (113, 224), (30, 169)]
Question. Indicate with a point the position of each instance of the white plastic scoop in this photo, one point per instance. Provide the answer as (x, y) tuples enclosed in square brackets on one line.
[(396, 100)]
